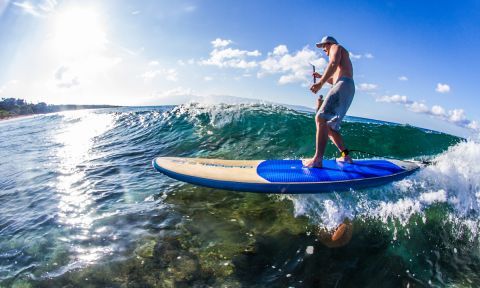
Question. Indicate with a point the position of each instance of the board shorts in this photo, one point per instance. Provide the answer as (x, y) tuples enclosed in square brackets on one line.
[(337, 102)]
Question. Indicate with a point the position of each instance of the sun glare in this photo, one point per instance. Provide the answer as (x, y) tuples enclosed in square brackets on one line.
[(78, 31)]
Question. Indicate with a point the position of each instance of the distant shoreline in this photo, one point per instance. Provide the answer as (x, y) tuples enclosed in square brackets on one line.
[(17, 116), (12, 108)]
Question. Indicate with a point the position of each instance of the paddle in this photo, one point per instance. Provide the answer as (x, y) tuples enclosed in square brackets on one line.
[(320, 98)]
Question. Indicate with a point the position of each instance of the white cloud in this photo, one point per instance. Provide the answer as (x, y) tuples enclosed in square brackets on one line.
[(355, 56), (360, 56), (403, 78), (153, 63), (455, 116), (418, 107), (208, 78), (280, 50), (393, 99), (294, 67), (223, 56), (218, 43), (438, 111), (474, 125), (40, 9), (442, 88), (291, 78), (367, 87)]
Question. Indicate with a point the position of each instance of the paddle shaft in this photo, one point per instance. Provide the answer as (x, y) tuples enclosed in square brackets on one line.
[(320, 98)]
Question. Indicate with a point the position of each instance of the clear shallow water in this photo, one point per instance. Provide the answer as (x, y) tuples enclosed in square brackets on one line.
[(82, 206)]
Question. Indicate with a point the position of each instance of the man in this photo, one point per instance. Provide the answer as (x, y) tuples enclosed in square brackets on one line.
[(339, 73)]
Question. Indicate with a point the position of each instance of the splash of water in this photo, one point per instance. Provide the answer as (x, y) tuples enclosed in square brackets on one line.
[(452, 180)]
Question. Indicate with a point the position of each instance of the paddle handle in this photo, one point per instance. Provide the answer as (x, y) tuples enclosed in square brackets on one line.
[(314, 79), (320, 98)]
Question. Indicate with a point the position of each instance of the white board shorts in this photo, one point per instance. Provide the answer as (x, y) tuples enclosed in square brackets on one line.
[(337, 102)]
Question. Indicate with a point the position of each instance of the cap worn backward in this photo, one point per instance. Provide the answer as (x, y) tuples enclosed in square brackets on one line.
[(326, 40)]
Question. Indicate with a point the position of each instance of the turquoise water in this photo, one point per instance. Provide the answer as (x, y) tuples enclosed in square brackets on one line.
[(82, 206)]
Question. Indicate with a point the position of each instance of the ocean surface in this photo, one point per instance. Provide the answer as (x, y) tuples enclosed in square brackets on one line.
[(81, 205)]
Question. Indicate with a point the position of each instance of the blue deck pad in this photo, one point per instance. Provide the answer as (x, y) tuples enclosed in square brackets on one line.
[(293, 171)]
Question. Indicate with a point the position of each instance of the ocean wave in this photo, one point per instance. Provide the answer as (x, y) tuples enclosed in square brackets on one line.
[(80, 185)]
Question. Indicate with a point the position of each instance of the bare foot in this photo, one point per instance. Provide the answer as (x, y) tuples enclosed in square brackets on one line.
[(346, 159), (313, 163)]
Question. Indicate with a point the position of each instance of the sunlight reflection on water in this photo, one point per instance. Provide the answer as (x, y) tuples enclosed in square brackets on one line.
[(76, 211)]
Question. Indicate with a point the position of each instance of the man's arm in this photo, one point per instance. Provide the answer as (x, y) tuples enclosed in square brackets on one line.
[(332, 65), (318, 75)]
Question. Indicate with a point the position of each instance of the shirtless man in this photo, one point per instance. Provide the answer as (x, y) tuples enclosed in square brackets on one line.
[(339, 73)]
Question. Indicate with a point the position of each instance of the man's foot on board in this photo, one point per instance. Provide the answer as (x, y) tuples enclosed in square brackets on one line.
[(313, 163), (346, 159)]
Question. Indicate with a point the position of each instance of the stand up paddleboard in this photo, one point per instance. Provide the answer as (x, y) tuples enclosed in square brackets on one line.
[(283, 176)]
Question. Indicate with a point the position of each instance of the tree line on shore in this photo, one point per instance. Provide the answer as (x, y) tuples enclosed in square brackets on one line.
[(10, 107)]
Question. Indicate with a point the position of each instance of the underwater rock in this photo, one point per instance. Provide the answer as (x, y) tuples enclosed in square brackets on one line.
[(21, 284), (147, 249), (179, 267), (185, 268), (166, 251), (341, 236)]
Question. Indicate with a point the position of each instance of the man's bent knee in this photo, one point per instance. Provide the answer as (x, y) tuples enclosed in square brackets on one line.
[(322, 125), (320, 120)]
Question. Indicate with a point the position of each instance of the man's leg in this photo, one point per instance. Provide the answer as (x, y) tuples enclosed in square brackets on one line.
[(321, 143), (338, 141)]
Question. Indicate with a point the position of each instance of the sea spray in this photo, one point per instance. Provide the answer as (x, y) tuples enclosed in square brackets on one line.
[(456, 172)]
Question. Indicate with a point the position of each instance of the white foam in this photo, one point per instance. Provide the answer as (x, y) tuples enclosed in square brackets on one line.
[(309, 250), (400, 210), (454, 179), (457, 173), (328, 209), (432, 197)]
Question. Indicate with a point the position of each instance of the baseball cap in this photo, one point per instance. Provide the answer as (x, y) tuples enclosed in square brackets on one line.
[(326, 40)]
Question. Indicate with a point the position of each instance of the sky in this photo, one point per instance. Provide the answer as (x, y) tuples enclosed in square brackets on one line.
[(415, 62)]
